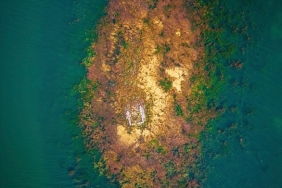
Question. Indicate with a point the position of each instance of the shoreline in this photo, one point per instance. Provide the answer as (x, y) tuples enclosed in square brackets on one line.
[(145, 55)]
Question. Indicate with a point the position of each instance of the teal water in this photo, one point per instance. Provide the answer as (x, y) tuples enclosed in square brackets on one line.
[(42, 44), (246, 145)]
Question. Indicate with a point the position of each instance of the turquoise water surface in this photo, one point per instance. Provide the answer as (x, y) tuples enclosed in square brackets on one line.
[(247, 143), (41, 46)]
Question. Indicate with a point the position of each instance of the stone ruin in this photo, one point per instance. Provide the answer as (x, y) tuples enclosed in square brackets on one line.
[(135, 114)]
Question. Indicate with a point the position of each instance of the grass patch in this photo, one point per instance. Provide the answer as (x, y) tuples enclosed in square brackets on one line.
[(170, 169), (162, 49), (146, 21), (157, 146), (165, 84), (177, 109), (153, 5)]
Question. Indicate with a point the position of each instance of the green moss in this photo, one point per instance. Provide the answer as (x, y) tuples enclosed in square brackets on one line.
[(146, 21), (158, 49), (160, 149), (153, 5), (170, 169), (90, 54), (109, 94), (124, 44), (187, 148), (95, 86), (162, 49), (153, 142), (165, 84), (167, 9), (96, 124), (101, 166), (157, 146), (177, 109), (153, 174), (183, 182), (166, 48)]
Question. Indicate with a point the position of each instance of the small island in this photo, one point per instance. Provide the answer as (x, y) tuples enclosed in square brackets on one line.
[(144, 98)]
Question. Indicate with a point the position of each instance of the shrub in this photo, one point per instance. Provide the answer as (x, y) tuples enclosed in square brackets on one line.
[(165, 84)]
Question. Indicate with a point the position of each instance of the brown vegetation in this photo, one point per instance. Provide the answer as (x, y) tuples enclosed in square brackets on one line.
[(139, 44)]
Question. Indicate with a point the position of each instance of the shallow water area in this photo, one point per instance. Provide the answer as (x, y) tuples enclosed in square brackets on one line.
[(247, 139)]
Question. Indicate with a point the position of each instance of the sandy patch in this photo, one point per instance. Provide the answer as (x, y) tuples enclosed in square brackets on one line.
[(125, 137), (129, 138), (159, 99), (178, 74)]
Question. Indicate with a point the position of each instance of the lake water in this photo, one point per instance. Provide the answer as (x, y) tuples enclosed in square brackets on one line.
[(250, 153), (41, 47)]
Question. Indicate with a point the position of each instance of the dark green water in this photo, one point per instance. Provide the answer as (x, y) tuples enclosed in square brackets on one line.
[(248, 143), (41, 50), (40, 53)]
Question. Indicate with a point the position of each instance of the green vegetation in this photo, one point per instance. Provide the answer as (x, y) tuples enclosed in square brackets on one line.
[(157, 146), (153, 5), (221, 40), (162, 49), (178, 110), (100, 164), (167, 9), (170, 168), (165, 84), (177, 107), (86, 89), (160, 149), (146, 20), (87, 61)]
